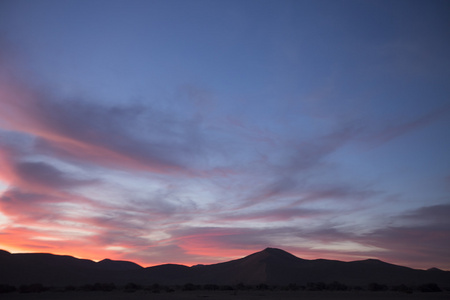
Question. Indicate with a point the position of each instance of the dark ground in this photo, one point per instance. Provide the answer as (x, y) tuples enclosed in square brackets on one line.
[(225, 295)]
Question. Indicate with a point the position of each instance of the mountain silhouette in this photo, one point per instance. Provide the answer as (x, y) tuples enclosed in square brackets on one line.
[(269, 266), (108, 264)]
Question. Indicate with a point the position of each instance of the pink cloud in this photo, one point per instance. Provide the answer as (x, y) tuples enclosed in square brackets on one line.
[(82, 130), (35, 176)]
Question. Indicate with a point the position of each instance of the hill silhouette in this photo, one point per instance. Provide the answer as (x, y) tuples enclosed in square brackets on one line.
[(270, 266)]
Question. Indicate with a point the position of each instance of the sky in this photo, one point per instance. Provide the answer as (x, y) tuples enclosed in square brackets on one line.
[(203, 131)]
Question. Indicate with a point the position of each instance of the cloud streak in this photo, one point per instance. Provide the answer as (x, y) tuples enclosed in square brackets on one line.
[(210, 171), (133, 135), (138, 138)]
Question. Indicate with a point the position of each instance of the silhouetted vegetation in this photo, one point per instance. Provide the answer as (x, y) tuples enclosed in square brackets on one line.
[(158, 288), (293, 287), (402, 288), (226, 288), (376, 287), (132, 287), (191, 287), (429, 288), (262, 286), (316, 286), (211, 287), (32, 288), (240, 286)]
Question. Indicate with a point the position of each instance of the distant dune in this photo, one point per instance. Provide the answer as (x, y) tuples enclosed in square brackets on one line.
[(270, 266)]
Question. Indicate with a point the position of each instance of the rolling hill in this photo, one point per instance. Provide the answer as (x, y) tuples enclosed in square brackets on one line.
[(270, 266)]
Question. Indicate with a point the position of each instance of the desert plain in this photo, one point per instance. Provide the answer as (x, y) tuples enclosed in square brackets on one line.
[(227, 295)]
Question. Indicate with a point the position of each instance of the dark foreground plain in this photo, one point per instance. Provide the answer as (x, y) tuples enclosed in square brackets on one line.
[(226, 295)]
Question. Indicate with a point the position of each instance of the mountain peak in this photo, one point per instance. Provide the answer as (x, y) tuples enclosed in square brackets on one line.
[(434, 270), (277, 252), (274, 255), (4, 252), (273, 250), (118, 264)]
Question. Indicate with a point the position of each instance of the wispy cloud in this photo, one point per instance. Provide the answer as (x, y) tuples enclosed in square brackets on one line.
[(207, 186), (395, 129), (420, 235), (133, 135)]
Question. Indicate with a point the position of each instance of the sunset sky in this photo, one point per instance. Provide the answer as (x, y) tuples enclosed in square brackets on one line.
[(202, 131)]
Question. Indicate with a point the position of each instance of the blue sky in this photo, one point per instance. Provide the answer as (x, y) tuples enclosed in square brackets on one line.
[(200, 131)]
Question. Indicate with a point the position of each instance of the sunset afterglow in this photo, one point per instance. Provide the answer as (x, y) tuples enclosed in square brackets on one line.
[(196, 132)]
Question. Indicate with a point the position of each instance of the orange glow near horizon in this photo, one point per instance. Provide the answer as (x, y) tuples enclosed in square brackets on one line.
[(204, 255), (100, 254)]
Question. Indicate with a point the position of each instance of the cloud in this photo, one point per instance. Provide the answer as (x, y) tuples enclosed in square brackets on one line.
[(217, 241), (26, 207), (33, 176), (134, 135), (423, 233), (296, 171), (35, 208), (229, 187), (273, 215), (418, 246), (41, 173), (423, 240), (383, 133), (69, 223), (22, 238), (436, 214)]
